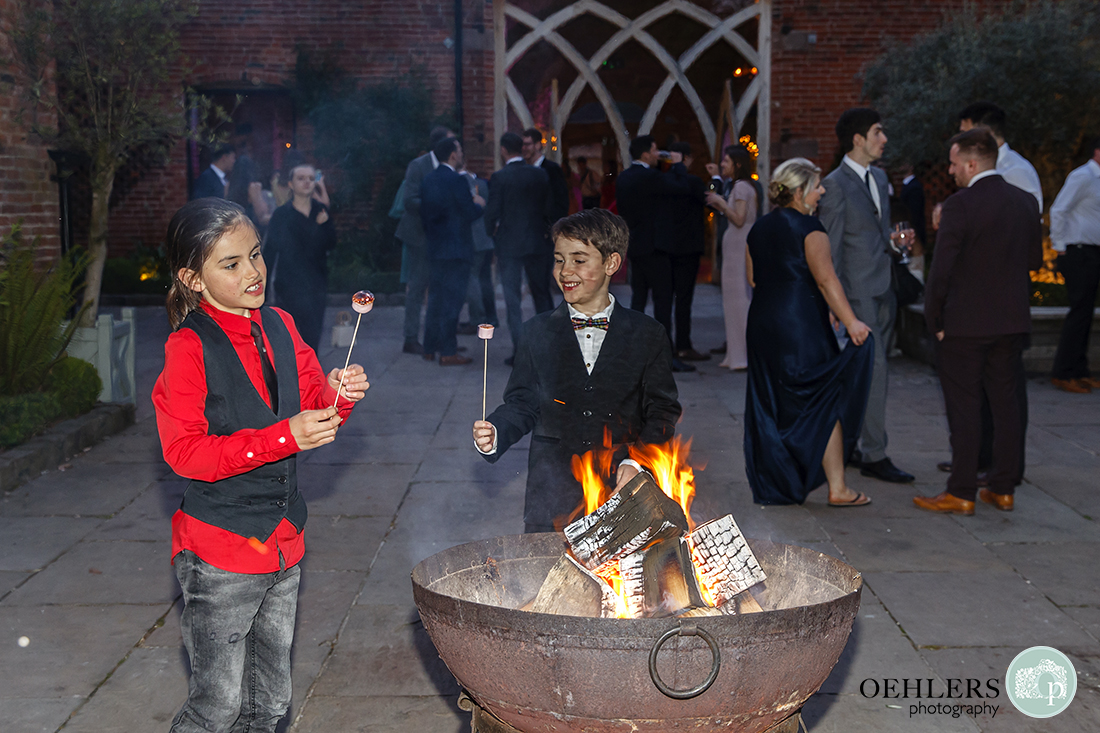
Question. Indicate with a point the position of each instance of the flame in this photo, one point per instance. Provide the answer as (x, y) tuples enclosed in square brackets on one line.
[(668, 464), (614, 578), (704, 588)]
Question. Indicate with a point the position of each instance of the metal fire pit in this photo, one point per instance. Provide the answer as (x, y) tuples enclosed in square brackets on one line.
[(552, 674)]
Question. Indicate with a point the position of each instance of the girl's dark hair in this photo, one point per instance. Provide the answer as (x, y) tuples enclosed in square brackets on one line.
[(192, 234), (742, 161)]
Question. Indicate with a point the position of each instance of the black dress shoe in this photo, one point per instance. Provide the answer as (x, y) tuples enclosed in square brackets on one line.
[(679, 366), (885, 470), (692, 355), (412, 347), (856, 461), (719, 350), (944, 466)]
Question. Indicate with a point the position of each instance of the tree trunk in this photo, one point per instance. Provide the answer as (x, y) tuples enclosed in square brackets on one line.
[(102, 183)]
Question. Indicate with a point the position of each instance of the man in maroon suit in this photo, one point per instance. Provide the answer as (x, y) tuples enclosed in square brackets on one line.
[(976, 305)]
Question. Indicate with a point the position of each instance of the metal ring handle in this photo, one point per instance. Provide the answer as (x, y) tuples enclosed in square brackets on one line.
[(716, 654)]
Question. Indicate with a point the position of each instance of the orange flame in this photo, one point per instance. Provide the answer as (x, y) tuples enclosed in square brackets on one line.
[(614, 578), (704, 589), (669, 466)]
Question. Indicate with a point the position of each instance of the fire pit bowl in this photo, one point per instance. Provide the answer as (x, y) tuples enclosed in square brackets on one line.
[(549, 673)]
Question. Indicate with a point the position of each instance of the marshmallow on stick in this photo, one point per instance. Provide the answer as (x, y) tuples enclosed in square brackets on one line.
[(484, 332), (361, 303)]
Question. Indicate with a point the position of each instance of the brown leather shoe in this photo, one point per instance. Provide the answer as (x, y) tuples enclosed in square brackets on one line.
[(692, 355), (1091, 382), (1076, 386), (1004, 502), (454, 360), (944, 504)]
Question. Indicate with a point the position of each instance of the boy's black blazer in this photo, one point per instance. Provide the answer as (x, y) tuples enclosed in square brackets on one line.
[(551, 395)]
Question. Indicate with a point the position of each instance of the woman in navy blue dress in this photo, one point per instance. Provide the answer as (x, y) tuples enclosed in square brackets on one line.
[(806, 396)]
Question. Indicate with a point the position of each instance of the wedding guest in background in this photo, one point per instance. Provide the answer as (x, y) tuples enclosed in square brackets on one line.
[(1011, 166), (247, 191), (299, 237), (213, 181), (806, 397), (738, 209)]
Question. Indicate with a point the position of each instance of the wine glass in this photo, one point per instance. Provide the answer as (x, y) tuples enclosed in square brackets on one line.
[(903, 240)]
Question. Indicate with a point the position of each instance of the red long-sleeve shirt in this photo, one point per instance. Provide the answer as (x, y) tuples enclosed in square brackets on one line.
[(180, 401)]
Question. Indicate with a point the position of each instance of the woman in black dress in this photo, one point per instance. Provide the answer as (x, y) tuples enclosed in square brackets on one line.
[(299, 238), (806, 396)]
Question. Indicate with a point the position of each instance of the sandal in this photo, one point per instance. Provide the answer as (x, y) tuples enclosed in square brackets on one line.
[(860, 499)]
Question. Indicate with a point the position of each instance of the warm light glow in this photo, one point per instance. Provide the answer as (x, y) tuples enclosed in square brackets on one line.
[(755, 177), (614, 578), (754, 70), (753, 148), (704, 589), (147, 273), (738, 71), (288, 145), (668, 464)]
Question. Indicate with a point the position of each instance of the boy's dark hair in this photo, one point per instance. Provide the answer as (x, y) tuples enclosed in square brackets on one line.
[(192, 234), (855, 121), (582, 160), (444, 148), (534, 133), (512, 143), (680, 147), (1094, 147), (639, 145), (978, 142), (222, 150), (985, 113), (742, 161), (438, 133), (598, 228)]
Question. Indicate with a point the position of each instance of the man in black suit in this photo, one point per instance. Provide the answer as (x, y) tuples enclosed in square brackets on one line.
[(447, 209), (638, 195), (681, 235), (533, 153), (411, 234), (214, 180), (976, 305), (517, 218)]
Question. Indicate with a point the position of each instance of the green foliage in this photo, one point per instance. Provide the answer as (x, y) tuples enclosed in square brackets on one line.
[(1038, 60), (371, 133), (34, 303), (76, 384), (23, 415), (144, 271)]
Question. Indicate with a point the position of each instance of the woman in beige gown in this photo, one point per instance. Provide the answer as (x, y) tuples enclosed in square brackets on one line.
[(740, 210)]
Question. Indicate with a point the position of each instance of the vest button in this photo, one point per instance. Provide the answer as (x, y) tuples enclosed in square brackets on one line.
[(586, 443), (282, 479), (588, 388), (587, 413), (280, 503)]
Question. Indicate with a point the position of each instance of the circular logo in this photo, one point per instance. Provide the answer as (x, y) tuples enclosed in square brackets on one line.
[(1041, 682)]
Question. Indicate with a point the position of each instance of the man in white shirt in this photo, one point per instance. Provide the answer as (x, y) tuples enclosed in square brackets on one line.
[(1075, 233), (215, 179), (1011, 166)]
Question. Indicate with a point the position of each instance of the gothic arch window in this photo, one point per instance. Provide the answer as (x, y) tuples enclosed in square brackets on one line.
[(518, 31)]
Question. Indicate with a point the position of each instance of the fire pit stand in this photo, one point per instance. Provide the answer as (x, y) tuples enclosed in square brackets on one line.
[(485, 722)]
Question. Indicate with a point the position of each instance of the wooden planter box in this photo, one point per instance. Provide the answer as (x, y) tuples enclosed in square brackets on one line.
[(1046, 329)]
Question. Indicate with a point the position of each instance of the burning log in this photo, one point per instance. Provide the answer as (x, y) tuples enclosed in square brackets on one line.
[(660, 581), (571, 590), (639, 516), (723, 560)]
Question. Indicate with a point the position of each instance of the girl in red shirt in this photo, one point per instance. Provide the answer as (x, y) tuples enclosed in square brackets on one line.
[(240, 395)]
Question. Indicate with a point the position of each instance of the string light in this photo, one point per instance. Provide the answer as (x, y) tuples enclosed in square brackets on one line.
[(738, 71)]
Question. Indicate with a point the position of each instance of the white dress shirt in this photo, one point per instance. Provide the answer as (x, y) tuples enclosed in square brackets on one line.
[(435, 160), (1075, 213), (513, 160), (984, 174), (638, 162), (219, 172), (863, 172), (538, 162), (1015, 169)]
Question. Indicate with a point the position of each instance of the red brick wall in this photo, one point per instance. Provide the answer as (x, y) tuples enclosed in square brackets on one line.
[(813, 82), (254, 42), (26, 191)]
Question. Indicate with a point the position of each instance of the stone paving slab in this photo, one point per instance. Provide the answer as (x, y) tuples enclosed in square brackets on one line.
[(944, 595)]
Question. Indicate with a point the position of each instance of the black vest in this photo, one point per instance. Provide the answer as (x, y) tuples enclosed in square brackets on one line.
[(251, 504)]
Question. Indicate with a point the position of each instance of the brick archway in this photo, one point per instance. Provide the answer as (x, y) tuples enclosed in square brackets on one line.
[(508, 97)]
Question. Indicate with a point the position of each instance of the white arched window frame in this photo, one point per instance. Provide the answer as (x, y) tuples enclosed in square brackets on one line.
[(507, 95)]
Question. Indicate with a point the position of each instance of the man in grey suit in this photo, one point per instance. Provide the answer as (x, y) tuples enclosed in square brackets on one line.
[(856, 213), (411, 233)]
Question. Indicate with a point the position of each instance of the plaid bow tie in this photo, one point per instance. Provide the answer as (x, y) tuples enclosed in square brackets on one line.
[(579, 324)]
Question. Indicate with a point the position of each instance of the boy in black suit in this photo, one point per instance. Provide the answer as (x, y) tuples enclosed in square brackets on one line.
[(588, 365)]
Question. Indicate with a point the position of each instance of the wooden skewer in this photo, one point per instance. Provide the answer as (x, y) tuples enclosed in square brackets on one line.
[(348, 360), (484, 377)]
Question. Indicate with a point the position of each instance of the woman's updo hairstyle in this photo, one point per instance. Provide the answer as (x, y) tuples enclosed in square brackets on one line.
[(793, 175), (192, 234)]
